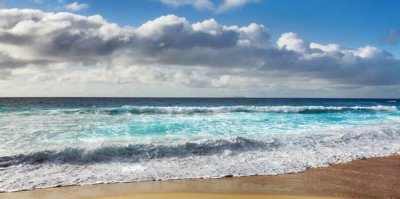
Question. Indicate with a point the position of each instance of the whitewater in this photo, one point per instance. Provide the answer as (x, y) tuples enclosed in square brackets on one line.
[(76, 141)]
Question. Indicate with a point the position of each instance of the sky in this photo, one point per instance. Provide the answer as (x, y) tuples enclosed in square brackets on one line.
[(200, 48)]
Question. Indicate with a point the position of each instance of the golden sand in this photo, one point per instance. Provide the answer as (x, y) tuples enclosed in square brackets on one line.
[(208, 196)]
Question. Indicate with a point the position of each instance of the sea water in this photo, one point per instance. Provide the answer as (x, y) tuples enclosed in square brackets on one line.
[(47, 142)]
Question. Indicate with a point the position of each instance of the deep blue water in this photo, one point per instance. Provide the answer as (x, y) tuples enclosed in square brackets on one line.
[(115, 102)]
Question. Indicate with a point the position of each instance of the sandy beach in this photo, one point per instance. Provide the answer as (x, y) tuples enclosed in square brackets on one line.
[(367, 178)]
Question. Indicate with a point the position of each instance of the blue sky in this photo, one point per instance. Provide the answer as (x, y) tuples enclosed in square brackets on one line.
[(260, 48)]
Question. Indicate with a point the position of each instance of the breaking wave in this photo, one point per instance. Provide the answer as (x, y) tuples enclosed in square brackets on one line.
[(236, 156), (227, 109), (139, 152), (209, 158)]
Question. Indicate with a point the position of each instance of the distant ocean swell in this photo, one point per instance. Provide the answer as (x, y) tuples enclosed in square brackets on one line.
[(207, 158), (217, 109)]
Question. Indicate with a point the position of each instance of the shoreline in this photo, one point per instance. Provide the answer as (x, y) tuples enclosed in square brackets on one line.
[(377, 177)]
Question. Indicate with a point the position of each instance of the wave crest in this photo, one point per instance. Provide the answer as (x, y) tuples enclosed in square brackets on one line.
[(228, 109), (236, 145), (138, 152)]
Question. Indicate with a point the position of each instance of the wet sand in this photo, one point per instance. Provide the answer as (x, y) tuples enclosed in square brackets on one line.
[(368, 178)]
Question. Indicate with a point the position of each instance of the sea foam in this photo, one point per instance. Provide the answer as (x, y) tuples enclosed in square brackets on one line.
[(206, 158)]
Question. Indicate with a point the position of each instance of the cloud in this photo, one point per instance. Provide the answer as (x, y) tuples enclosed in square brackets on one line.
[(225, 5), (75, 6), (393, 37), (232, 4), (172, 50), (198, 4), (291, 41), (5, 74)]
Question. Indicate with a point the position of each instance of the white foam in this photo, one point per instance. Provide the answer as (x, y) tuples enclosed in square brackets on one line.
[(279, 154), (284, 109), (205, 109)]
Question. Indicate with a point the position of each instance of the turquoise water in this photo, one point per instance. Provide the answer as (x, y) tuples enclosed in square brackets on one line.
[(66, 141)]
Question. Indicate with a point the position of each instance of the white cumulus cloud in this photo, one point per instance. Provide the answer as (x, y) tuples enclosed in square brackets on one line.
[(171, 50)]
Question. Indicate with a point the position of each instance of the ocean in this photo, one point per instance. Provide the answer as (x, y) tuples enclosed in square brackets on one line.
[(48, 142)]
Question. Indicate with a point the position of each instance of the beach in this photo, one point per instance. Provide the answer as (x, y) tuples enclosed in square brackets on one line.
[(199, 99), (366, 178)]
